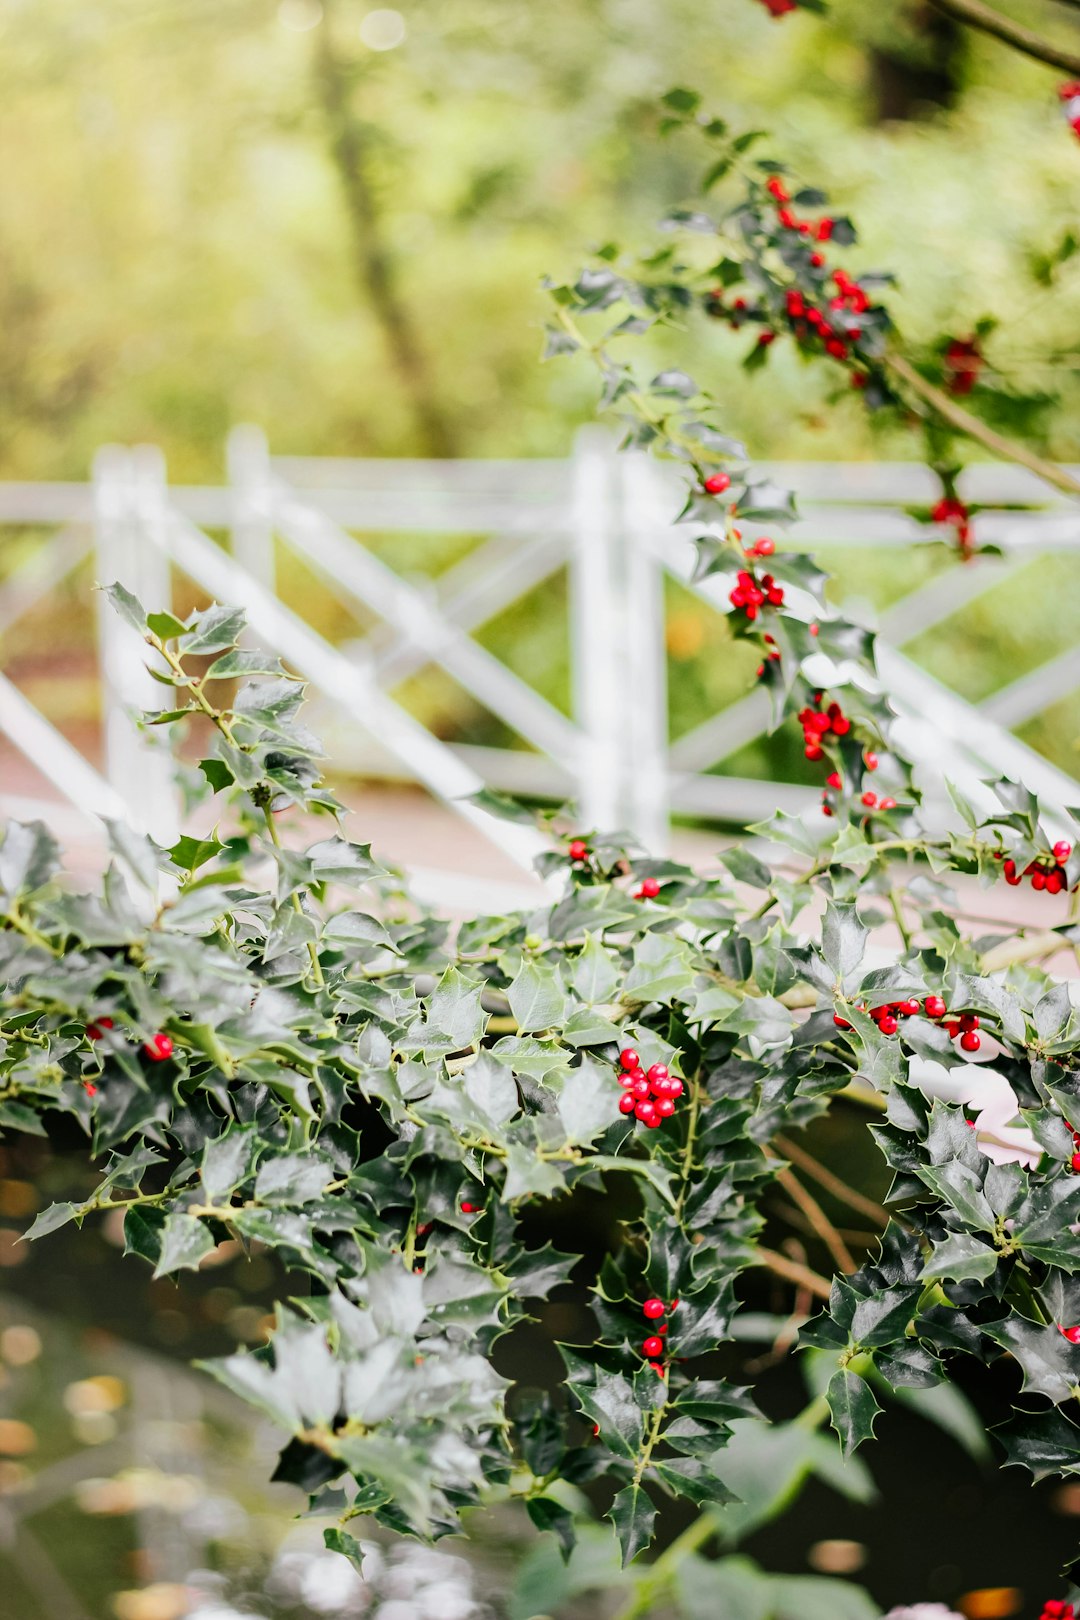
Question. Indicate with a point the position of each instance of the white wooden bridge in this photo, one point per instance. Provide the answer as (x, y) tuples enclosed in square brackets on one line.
[(605, 519)]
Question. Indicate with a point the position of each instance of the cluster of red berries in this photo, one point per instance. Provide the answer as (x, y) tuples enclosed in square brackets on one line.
[(751, 595), (1056, 1608), (817, 723), (958, 517), (834, 783), (1074, 1162), (649, 1096), (1045, 872), (887, 1018), (1069, 95), (963, 362), (159, 1048), (872, 802), (653, 1347)]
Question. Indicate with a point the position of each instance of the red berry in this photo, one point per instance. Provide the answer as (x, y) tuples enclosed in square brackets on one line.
[(158, 1048), (659, 1071), (467, 1208), (833, 780), (970, 1041), (969, 1021), (815, 629), (640, 1088), (657, 1369), (653, 1347), (628, 1058), (766, 339), (887, 804), (646, 1111), (764, 547), (653, 1308), (842, 726), (90, 1088), (953, 1028), (717, 483), (1038, 880), (675, 1086), (869, 799), (1054, 882), (650, 888), (1075, 1161), (817, 260), (627, 1103), (665, 1108), (578, 850), (909, 1008), (1062, 851), (870, 761), (841, 1023), (888, 1024), (934, 1007)]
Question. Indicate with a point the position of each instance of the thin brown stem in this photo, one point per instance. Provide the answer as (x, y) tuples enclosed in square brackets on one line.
[(818, 1220), (793, 1271), (947, 407), (975, 14), (832, 1183)]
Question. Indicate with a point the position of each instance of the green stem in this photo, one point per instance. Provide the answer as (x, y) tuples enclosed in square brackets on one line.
[(898, 913), (653, 1582)]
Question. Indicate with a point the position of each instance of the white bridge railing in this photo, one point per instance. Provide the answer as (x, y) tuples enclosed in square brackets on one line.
[(602, 517)]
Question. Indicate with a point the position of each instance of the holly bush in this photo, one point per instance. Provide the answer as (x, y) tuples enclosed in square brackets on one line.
[(264, 1040)]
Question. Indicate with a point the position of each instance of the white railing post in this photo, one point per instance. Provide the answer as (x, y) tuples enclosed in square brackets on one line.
[(129, 501), (247, 457), (599, 649), (645, 507)]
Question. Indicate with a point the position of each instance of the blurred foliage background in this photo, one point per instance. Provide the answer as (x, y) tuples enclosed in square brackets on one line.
[(333, 221)]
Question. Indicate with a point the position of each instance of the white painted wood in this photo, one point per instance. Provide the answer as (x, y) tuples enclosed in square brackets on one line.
[(597, 635), (247, 458), (425, 758)]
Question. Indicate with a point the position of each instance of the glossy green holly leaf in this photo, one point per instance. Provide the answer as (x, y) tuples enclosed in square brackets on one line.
[(633, 1515), (537, 997), (1045, 1443), (547, 1514), (961, 1257), (607, 1399), (184, 1242), (29, 858), (852, 1409), (1050, 1364)]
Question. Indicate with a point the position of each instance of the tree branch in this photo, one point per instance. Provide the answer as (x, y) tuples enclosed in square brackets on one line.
[(832, 1184), (374, 264), (1048, 471), (792, 1271), (819, 1221), (977, 15)]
